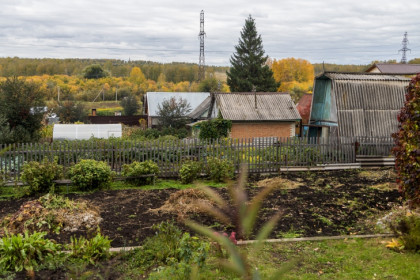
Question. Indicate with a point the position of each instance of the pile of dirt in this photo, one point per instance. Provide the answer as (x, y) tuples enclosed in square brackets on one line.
[(51, 214), (185, 202)]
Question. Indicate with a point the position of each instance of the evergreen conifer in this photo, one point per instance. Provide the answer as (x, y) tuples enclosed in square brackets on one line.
[(249, 70)]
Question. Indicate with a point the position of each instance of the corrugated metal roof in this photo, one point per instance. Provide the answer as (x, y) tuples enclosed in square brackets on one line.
[(155, 98), (367, 107), (270, 106), (201, 109), (363, 76), (405, 69)]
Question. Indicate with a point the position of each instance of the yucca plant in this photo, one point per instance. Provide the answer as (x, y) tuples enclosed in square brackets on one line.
[(242, 213)]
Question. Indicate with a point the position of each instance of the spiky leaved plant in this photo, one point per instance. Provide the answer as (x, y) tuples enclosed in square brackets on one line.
[(242, 213)]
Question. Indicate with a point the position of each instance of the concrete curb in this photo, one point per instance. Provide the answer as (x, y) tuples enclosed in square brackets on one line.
[(284, 240)]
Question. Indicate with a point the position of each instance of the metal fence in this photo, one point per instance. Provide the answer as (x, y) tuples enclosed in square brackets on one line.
[(261, 156)]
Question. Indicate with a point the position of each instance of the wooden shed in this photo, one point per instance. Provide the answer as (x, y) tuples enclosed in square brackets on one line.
[(356, 104)]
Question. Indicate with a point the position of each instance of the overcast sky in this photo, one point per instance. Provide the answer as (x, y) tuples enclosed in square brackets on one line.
[(334, 31)]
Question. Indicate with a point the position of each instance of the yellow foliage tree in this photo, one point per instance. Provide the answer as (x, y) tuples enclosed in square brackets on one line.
[(137, 76), (293, 73)]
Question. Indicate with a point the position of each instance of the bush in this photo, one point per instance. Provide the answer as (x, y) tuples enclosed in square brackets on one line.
[(138, 169), (215, 129), (40, 176), (190, 171), (405, 224), (27, 251), (407, 145), (220, 169), (90, 174), (90, 250)]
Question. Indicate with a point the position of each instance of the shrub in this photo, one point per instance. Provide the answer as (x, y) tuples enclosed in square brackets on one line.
[(40, 176), (138, 169), (27, 251), (407, 145), (220, 169), (405, 224), (90, 250), (215, 129), (190, 171), (90, 174)]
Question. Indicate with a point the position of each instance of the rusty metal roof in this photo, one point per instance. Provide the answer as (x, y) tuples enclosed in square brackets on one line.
[(304, 107), (261, 106)]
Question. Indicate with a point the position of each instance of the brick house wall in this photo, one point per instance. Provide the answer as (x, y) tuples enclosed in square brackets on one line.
[(262, 129)]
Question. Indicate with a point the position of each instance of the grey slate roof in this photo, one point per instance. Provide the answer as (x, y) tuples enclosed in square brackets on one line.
[(403, 69), (201, 109), (367, 104), (155, 98), (363, 76), (270, 106)]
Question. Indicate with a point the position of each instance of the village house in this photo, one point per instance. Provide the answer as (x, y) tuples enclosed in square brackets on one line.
[(400, 69), (356, 104), (253, 115)]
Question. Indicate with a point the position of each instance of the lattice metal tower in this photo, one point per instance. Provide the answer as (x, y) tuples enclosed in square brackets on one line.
[(404, 49), (201, 62)]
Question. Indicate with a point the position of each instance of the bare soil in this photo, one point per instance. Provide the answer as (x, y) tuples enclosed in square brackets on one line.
[(313, 204)]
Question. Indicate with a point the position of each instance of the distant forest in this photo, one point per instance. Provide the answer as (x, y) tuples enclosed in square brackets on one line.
[(174, 72)]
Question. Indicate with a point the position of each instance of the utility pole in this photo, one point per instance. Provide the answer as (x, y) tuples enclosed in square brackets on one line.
[(201, 63), (404, 49)]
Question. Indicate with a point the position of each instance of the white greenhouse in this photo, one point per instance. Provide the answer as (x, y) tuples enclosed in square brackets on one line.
[(86, 131)]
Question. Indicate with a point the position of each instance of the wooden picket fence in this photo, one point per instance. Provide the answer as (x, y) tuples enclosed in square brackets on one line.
[(262, 155)]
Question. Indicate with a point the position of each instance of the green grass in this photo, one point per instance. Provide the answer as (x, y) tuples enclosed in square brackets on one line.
[(339, 259), (164, 184), (335, 259), (12, 192)]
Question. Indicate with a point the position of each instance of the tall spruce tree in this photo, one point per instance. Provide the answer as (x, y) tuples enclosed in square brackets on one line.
[(249, 71)]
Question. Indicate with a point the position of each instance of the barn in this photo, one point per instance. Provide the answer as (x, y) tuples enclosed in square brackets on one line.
[(356, 104)]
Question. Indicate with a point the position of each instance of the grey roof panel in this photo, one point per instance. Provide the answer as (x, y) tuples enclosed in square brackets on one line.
[(265, 107), (201, 109), (155, 98), (405, 69)]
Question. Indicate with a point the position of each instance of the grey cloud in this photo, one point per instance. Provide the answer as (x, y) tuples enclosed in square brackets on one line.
[(335, 31)]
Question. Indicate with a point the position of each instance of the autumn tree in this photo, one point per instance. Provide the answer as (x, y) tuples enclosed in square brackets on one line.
[(137, 76), (249, 70), (94, 71), (21, 110), (210, 84), (173, 112), (295, 76), (130, 105), (70, 111)]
